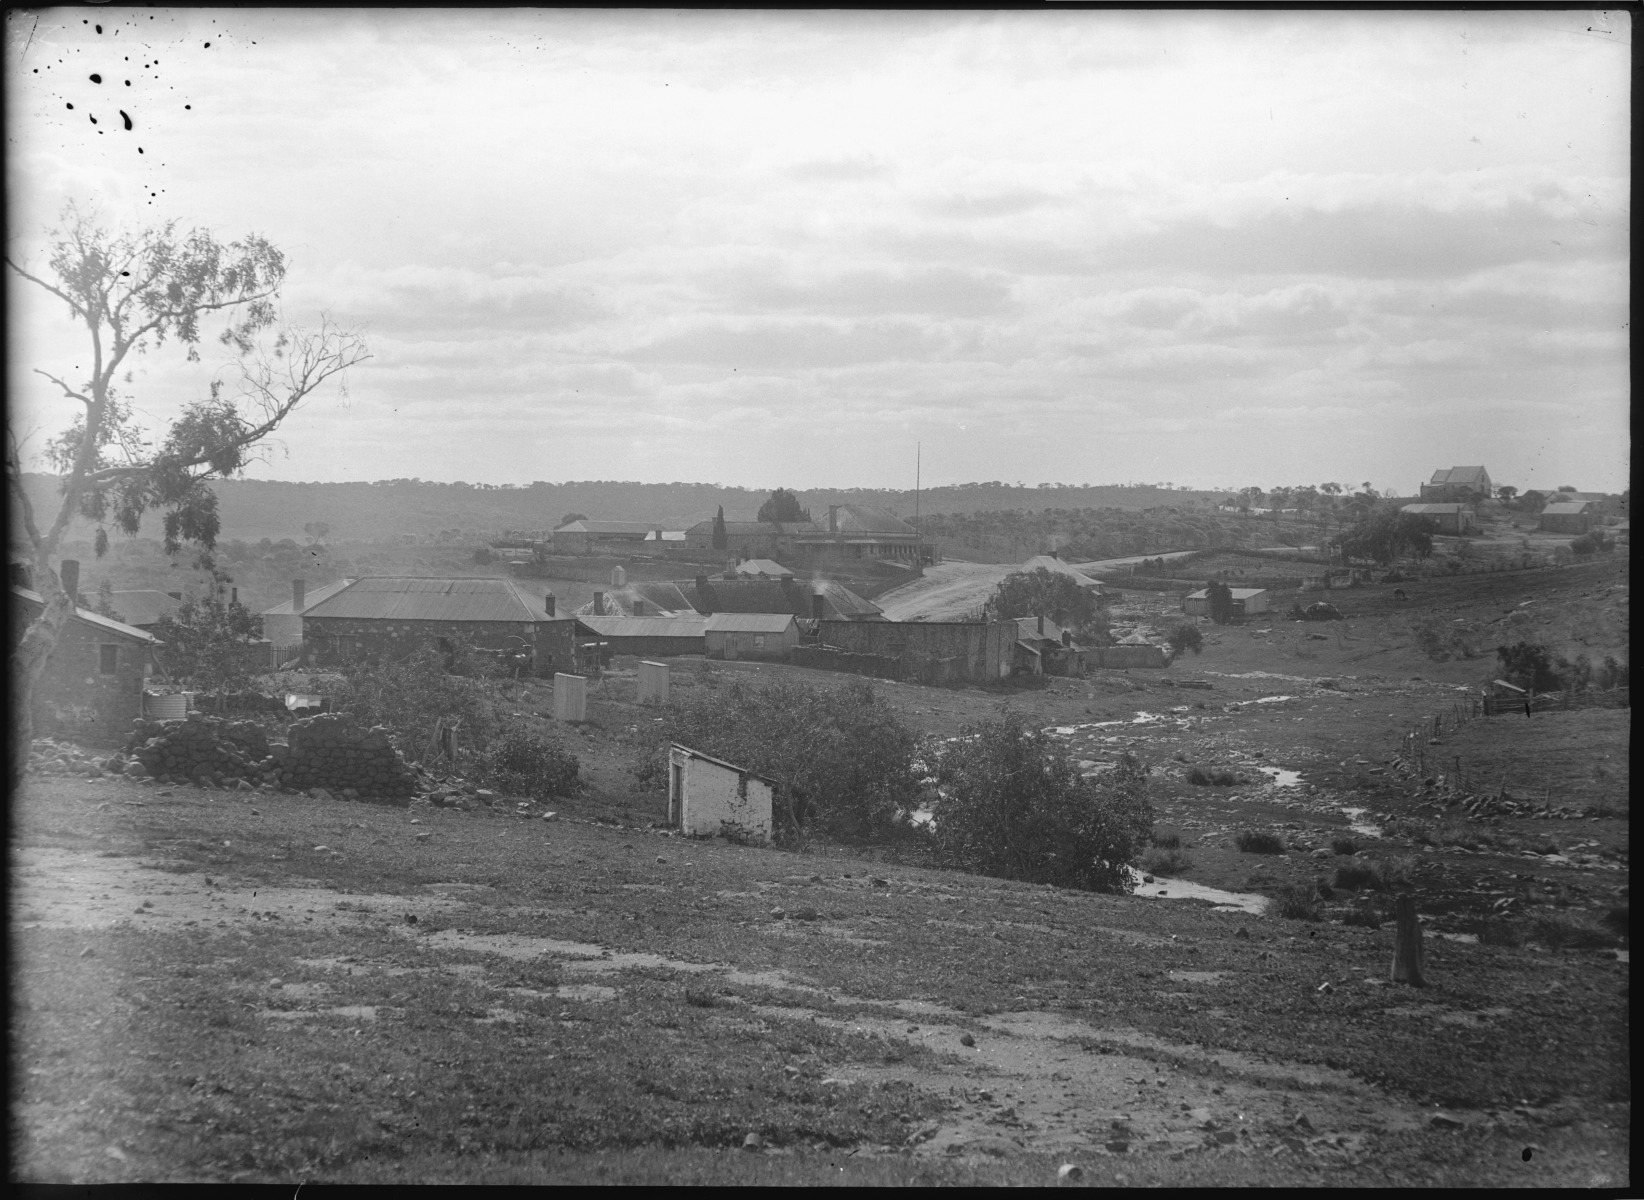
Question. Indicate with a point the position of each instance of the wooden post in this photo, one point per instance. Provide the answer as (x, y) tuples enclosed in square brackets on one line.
[(1407, 943)]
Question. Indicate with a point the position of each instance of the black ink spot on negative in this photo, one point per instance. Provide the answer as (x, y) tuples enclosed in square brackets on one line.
[(208, 45), (139, 149), (93, 119), (1526, 1154), (188, 106), (97, 79), (99, 29), (125, 118), (71, 106)]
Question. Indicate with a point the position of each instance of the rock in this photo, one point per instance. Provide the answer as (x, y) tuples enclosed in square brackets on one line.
[(424, 835), (660, 859), (1242, 932), (1069, 1173), (753, 1142), (88, 952), (778, 913), (484, 796), (1326, 987), (1118, 1146), (276, 984), (135, 770), (243, 786), (1301, 1122), (805, 913), (1226, 1137), (1443, 1121), (966, 1040), (1324, 852), (878, 882)]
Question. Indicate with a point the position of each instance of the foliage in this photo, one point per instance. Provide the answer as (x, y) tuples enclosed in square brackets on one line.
[(316, 530), (1344, 846), (1253, 841), (1166, 839), (1220, 598), (1297, 902), (1214, 777), (1506, 493), (1185, 636), (484, 556), (415, 694), (842, 760), (1011, 804), (207, 643), (571, 516), (1442, 640), (782, 506), (1384, 534), (1047, 593), (1528, 665), (1165, 862), (1593, 542), (104, 605), (522, 763), (1532, 501)]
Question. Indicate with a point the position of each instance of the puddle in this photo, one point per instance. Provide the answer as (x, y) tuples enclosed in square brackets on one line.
[(1271, 699), (1281, 777), (359, 1012), (1197, 976), (1357, 823), (1179, 889), (1468, 938)]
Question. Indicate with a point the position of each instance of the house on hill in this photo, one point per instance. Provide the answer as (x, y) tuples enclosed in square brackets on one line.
[(1465, 485), (1453, 518), (749, 539), (854, 531), (1134, 651), (821, 599), (283, 624), (394, 616), (755, 635), (1045, 648), (1567, 518), (93, 685), (586, 536), (1246, 602), (648, 637)]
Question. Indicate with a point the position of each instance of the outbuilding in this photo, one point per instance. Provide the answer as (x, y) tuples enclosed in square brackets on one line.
[(1246, 602), (710, 797), (1446, 518), (1566, 518), (751, 635), (651, 637), (93, 685)]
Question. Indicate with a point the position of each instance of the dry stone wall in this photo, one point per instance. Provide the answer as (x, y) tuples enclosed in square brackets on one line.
[(332, 751)]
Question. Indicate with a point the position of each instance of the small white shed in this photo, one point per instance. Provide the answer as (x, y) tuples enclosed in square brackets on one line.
[(708, 796)]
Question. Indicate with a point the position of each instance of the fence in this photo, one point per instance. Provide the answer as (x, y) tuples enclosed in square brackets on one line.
[(829, 658), (1563, 701)]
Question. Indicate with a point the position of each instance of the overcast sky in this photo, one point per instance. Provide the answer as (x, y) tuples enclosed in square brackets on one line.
[(769, 249)]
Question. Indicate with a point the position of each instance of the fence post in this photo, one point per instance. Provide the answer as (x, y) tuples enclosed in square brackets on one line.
[(1407, 964)]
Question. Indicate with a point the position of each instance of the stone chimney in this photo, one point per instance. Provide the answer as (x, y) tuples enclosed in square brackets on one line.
[(1067, 638), (833, 518), (548, 604), (68, 574), (639, 607), (819, 606), (599, 604), (299, 592), (1041, 624)]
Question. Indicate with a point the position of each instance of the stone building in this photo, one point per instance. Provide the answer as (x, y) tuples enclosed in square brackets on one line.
[(93, 686)]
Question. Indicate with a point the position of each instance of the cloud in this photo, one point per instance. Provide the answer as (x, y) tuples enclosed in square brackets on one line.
[(935, 291), (795, 345)]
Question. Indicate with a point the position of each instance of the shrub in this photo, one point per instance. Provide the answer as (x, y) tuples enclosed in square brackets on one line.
[(841, 758), (1377, 874), (1493, 931), (1355, 877), (1010, 803), (523, 764), (1364, 918), (1253, 841), (1345, 846), (1297, 902), (1214, 777), (412, 695), (1165, 862), (1568, 931), (1184, 636), (1166, 839)]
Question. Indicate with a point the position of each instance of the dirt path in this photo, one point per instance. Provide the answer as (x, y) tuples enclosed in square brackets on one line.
[(947, 592)]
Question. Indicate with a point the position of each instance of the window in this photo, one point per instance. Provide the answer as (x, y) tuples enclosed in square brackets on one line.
[(759, 641), (108, 659)]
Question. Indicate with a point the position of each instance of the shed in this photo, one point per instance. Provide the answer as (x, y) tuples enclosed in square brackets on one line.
[(283, 624), (1246, 601), (751, 635), (708, 796), (1446, 518), (1470, 484), (1045, 648), (649, 636), (1566, 518), (93, 683)]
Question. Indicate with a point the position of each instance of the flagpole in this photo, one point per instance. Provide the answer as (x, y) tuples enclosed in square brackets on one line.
[(918, 546)]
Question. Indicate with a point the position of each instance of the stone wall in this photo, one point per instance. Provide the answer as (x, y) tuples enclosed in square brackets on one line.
[(200, 747), (331, 751)]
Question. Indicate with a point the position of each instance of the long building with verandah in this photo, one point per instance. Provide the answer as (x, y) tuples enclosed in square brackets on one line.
[(1246, 602)]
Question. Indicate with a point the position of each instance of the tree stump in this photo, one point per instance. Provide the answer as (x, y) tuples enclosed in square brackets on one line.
[(1407, 943)]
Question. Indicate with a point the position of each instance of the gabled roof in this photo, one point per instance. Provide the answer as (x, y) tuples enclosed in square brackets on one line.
[(621, 528), (756, 528), (856, 518), (754, 622), (401, 598), (1475, 476), (310, 599), (760, 595), (1027, 630), (1433, 510), (1050, 563), (670, 627), (1566, 510), (1238, 593), (144, 606), (662, 599), (103, 624), (1580, 497), (762, 566)]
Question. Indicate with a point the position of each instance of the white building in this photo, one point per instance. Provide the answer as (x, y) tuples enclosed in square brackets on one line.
[(707, 796)]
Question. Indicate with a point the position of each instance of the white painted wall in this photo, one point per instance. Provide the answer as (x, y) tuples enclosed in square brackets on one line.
[(712, 797)]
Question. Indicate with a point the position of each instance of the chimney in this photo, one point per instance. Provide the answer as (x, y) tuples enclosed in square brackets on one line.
[(1067, 638), (619, 577), (599, 604), (68, 574), (1041, 624), (299, 592), (833, 518), (233, 595), (548, 603), (639, 607), (701, 583), (819, 606)]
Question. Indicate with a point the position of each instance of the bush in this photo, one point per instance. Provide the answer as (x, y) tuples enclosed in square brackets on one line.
[(1297, 902), (523, 764), (412, 695), (1355, 877), (1344, 846), (1493, 931), (1253, 841), (1184, 636), (1214, 777), (1570, 932), (1166, 839), (841, 758), (1165, 862), (1010, 803), (1364, 918)]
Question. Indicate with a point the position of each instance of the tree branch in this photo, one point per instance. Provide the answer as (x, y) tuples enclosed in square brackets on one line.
[(79, 309), (67, 391)]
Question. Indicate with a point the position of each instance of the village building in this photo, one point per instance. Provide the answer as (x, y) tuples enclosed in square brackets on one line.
[(395, 616), (749, 539), (142, 608), (640, 598), (1465, 485), (758, 635), (1050, 562), (1045, 648), (588, 537), (1134, 651), (1567, 518), (1456, 518), (1246, 602), (851, 533), (929, 652), (819, 599), (652, 637), (94, 680), (710, 797), (283, 624), (762, 568)]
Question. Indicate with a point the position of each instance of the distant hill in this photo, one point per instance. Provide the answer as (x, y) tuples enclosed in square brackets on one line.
[(252, 509)]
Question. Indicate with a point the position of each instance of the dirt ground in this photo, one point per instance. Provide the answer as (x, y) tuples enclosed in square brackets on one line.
[(260, 987)]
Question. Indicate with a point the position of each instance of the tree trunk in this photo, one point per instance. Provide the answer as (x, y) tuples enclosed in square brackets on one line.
[(28, 664), (1407, 943)]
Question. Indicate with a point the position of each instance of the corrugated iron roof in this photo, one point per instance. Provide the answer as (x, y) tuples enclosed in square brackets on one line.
[(398, 598), (1472, 475), (1432, 510), (310, 599), (1238, 593), (730, 622), (1565, 510), (762, 566), (97, 619), (671, 627), (639, 528)]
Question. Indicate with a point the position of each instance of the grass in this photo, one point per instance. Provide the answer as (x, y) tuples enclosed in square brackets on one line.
[(1570, 931), (1375, 874), (1258, 841), (1297, 902), (1166, 839), (1344, 846), (1165, 862)]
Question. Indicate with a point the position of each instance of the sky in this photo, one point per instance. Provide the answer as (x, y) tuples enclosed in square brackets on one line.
[(770, 249)]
